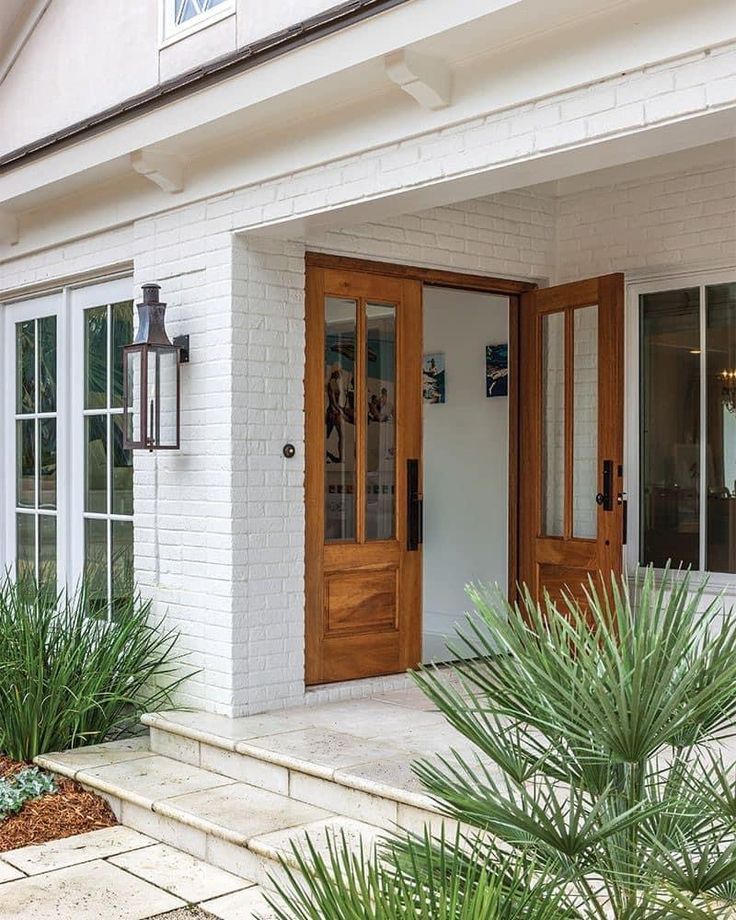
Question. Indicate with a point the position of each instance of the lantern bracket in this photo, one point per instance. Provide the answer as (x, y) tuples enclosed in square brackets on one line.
[(182, 343)]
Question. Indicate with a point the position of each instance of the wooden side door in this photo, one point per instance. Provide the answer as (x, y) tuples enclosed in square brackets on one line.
[(363, 482), (571, 503)]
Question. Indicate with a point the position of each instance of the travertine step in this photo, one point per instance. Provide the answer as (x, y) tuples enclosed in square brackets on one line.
[(307, 755), (241, 828)]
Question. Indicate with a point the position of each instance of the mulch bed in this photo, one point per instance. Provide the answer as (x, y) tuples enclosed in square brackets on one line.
[(71, 810)]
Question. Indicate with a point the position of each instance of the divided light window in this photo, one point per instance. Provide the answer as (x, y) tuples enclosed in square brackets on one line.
[(687, 465), (35, 448), (182, 17), (108, 468)]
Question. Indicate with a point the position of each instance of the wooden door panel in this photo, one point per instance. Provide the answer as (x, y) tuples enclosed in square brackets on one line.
[(363, 396), (571, 421)]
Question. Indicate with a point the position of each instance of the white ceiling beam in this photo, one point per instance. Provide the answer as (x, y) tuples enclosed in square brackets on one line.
[(166, 170), (426, 79), (8, 228)]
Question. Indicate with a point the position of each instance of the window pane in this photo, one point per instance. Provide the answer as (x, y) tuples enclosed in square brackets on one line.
[(25, 446), (25, 367), (670, 428), (721, 426), (340, 345), (122, 334), (47, 364), (122, 562), (95, 363), (585, 423), (47, 463), (381, 432), (122, 471), (47, 549), (25, 545), (95, 497), (553, 424), (95, 564)]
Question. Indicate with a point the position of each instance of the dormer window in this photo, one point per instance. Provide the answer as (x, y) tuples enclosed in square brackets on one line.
[(182, 17)]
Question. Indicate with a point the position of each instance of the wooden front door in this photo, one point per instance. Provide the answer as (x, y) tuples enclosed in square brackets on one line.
[(363, 483), (571, 501)]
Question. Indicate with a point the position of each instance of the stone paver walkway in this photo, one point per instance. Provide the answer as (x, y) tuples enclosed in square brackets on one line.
[(120, 874)]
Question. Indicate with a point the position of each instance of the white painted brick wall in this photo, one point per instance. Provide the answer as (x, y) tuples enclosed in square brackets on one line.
[(220, 524), (682, 220)]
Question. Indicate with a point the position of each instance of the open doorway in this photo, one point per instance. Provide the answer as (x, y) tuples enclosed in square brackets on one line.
[(466, 455)]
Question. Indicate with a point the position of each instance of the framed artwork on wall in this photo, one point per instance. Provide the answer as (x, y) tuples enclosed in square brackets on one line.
[(433, 378), (497, 370)]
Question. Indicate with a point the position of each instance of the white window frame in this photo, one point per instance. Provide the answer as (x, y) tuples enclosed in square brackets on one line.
[(170, 32), (671, 282), (68, 304)]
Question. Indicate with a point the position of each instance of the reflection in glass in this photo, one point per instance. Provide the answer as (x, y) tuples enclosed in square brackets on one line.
[(553, 424), (122, 471), (95, 358), (585, 423), (122, 334), (47, 463), (95, 493), (95, 564), (122, 563), (340, 438), (670, 427), (720, 304), (25, 447), (47, 549), (162, 395), (25, 367), (47, 364), (381, 431), (25, 545)]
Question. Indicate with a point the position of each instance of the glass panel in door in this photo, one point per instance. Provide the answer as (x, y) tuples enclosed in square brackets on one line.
[(585, 422), (380, 363), (553, 424), (340, 418)]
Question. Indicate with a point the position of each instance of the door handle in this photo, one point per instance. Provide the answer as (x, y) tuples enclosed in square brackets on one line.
[(605, 498), (414, 507)]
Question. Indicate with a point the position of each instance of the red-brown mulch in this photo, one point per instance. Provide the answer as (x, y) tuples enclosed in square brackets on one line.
[(71, 810)]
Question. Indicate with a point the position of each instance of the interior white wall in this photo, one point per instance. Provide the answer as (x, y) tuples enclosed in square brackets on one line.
[(465, 461)]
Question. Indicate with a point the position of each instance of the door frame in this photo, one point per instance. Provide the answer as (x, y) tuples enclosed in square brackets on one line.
[(457, 280)]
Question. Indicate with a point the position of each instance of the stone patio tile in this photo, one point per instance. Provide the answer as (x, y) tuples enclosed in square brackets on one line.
[(318, 751), (90, 891), (222, 731), (147, 781), (364, 717), (427, 740), (250, 904), (179, 873), (392, 779), (81, 848), (408, 699), (279, 844), (68, 763), (238, 812), (8, 873)]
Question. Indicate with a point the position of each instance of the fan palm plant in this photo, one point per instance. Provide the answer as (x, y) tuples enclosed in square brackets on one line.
[(601, 732)]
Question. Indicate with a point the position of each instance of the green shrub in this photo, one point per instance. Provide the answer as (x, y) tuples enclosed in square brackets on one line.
[(69, 678), (21, 787), (600, 758)]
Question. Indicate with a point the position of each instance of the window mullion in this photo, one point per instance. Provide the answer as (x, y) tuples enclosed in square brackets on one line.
[(703, 461)]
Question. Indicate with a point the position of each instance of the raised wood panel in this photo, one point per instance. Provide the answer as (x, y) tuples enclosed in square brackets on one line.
[(361, 602)]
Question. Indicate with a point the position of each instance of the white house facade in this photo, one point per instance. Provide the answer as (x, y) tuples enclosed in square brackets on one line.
[(357, 214)]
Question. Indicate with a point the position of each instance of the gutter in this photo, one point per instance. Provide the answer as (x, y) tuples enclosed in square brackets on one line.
[(243, 59)]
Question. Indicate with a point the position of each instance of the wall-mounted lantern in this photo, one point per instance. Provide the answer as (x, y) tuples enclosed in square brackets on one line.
[(151, 386)]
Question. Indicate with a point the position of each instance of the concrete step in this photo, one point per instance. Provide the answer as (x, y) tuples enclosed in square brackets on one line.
[(366, 779), (242, 828)]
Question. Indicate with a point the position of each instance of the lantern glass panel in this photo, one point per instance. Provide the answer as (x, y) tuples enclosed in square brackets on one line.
[(132, 406), (162, 396)]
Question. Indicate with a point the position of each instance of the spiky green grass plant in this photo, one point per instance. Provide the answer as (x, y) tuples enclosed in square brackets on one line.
[(602, 759), (69, 677)]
